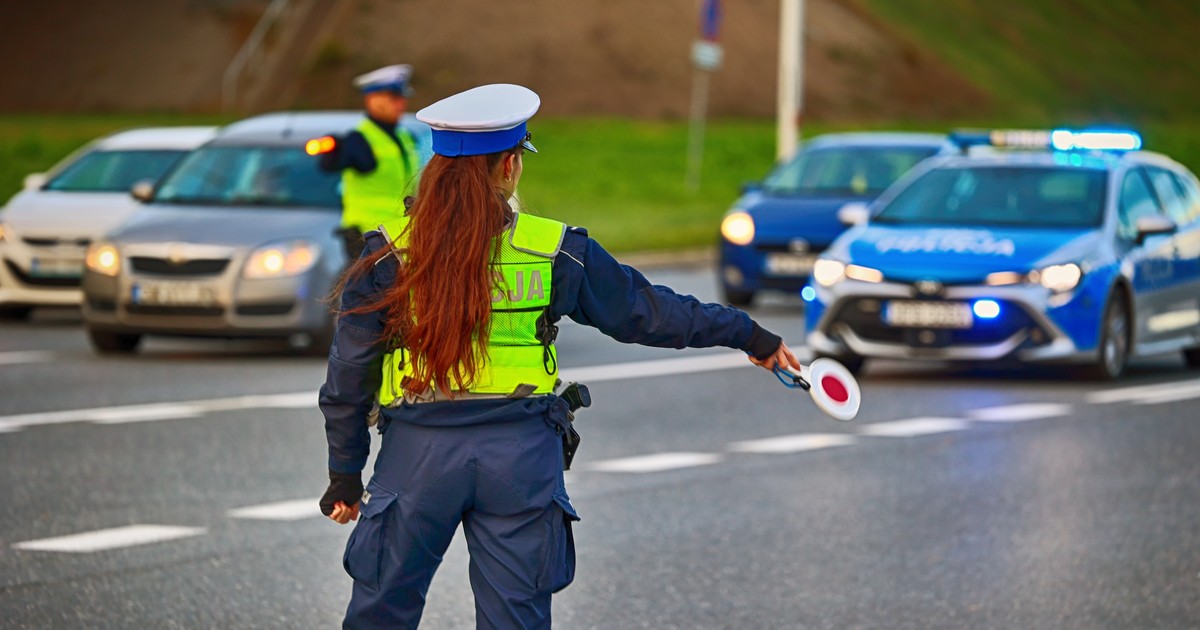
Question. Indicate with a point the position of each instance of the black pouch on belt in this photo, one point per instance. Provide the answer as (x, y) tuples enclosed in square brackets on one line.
[(577, 396)]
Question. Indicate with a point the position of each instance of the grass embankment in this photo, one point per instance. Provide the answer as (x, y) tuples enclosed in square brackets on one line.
[(623, 180)]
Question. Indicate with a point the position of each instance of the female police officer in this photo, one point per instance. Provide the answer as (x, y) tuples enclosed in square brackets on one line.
[(454, 332)]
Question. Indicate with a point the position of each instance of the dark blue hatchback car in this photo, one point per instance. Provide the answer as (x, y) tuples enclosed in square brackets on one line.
[(775, 231)]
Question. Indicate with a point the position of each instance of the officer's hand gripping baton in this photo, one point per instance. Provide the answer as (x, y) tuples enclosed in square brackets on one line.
[(832, 387)]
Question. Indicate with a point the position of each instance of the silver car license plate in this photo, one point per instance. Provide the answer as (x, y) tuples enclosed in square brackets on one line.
[(914, 314), (56, 267), (172, 294), (789, 264)]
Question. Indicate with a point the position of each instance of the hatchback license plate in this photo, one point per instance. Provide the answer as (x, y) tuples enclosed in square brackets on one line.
[(172, 294), (56, 267), (914, 314), (789, 264)]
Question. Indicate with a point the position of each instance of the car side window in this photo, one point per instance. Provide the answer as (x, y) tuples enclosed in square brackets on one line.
[(1168, 193), (1136, 202), (1191, 193)]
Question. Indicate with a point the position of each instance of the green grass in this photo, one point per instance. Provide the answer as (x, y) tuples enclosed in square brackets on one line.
[(623, 180)]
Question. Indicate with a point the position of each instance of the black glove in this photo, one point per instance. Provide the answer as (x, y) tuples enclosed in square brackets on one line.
[(344, 487)]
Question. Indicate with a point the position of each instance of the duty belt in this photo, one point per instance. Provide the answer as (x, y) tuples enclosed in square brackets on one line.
[(436, 395)]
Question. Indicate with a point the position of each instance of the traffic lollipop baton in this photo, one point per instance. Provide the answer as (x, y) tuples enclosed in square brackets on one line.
[(832, 387)]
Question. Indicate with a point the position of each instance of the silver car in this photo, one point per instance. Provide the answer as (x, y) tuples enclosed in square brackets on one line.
[(237, 241), (45, 228)]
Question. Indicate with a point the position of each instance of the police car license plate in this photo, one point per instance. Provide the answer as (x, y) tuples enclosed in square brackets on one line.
[(789, 264), (56, 267), (913, 314), (172, 294)]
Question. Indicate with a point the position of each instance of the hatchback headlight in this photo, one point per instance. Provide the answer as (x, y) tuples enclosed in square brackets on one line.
[(1058, 278), (104, 259), (279, 260), (738, 228), (828, 272), (3, 231)]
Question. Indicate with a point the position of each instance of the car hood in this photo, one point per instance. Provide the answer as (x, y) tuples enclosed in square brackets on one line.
[(780, 219), (231, 226), (54, 214), (955, 254)]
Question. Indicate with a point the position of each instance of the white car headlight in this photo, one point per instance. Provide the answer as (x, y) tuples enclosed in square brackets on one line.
[(3, 231), (279, 260), (828, 272), (738, 228), (104, 259), (1058, 278)]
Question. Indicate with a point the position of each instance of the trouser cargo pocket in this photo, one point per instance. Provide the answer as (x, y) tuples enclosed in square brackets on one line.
[(364, 551), (559, 568)]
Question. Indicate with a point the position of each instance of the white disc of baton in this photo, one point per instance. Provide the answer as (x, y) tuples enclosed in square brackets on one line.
[(834, 389)]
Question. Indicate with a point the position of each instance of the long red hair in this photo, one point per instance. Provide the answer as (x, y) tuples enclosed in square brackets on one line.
[(440, 304)]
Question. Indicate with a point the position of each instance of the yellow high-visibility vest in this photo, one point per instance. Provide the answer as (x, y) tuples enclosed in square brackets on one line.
[(369, 199)]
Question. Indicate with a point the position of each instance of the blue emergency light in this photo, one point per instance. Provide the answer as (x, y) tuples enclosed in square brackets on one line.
[(986, 309)]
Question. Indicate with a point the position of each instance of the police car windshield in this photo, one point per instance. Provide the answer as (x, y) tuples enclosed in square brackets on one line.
[(1001, 195), (845, 170), (113, 171), (250, 176)]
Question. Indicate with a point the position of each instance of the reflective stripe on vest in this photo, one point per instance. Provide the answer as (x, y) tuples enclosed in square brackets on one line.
[(369, 199), (516, 354)]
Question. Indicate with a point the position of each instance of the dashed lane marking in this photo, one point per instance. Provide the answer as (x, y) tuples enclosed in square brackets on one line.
[(1020, 413), (793, 443), (160, 411), (1138, 393), (115, 538), (655, 463), (913, 427), (659, 367), (281, 511), (25, 356)]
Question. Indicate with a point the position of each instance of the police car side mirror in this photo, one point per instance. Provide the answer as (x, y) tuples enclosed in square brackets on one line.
[(1153, 225), (854, 213), (143, 191), (751, 187), (34, 181)]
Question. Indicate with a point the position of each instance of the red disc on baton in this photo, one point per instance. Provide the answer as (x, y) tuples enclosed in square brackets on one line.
[(834, 389)]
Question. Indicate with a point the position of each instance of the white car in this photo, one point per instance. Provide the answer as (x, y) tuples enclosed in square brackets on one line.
[(46, 228)]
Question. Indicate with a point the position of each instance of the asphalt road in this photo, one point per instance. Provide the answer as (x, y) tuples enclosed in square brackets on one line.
[(711, 496)]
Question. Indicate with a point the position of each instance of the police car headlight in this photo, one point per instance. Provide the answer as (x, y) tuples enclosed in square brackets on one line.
[(280, 260), (3, 231), (103, 259), (738, 228), (1058, 278), (828, 272)]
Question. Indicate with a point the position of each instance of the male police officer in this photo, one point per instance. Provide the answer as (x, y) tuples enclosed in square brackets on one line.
[(378, 160)]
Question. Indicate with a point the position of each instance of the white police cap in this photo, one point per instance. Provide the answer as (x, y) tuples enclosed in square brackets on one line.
[(482, 120), (394, 78)]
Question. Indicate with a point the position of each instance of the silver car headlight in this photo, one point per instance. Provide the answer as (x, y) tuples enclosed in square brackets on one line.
[(279, 260), (3, 231), (103, 258)]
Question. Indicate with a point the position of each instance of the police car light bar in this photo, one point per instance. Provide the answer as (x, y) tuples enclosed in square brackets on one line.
[(1058, 139)]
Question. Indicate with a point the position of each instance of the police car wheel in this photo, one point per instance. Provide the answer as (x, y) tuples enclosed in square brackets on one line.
[(1114, 341), (738, 298), (15, 313), (113, 343), (1191, 357)]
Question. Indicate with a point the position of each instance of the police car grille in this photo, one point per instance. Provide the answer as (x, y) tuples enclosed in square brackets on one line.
[(865, 317), (51, 242), (164, 267), (35, 281)]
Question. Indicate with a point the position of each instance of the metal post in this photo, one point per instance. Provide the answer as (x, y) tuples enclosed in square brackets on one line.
[(696, 128), (790, 96)]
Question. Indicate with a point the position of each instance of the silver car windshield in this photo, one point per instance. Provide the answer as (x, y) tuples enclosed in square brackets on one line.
[(113, 171), (1034, 196), (845, 171), (250, 176)]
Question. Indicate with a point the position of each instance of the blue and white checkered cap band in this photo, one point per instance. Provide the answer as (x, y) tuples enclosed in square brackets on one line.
[(455, 143)]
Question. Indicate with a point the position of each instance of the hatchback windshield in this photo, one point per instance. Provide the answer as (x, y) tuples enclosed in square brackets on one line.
[(1002, 195), (250, 176), (858, 171), (113, 171)]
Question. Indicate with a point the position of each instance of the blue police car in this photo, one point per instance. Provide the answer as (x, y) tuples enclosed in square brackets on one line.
[(1031, 246), (776, 230)]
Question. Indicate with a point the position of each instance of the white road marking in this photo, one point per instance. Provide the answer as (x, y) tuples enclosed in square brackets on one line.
[(25, 356), (115, 538), (655, 463), (913, 426), (281, 511), (1141, 392), (148, 413), (1170, 396), (1020, 413), (160, 411), (659, 367), (793, 443)]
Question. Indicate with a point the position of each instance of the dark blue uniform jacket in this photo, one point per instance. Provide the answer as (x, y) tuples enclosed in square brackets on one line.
[(589, 286)]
